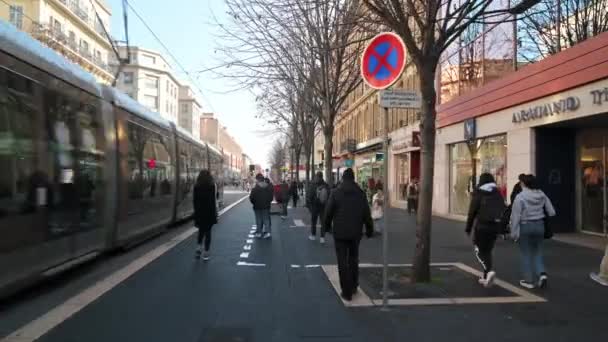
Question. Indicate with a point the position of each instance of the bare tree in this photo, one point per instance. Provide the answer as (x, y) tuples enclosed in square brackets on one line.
[(277, 157), (560, 24), (311, 43), (427, 28)]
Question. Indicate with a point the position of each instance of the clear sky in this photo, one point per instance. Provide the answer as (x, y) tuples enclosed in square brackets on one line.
[(188, 29)]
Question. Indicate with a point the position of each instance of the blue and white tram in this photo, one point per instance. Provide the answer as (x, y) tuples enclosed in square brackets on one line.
[(85, 168)]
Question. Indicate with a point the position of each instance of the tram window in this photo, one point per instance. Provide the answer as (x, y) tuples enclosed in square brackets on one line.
[(23, 186)]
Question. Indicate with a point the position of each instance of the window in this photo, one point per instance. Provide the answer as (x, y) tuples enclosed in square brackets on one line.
[(152, 82), (72, 37), (84, 46), (151, 102), (127, 78), (489, 155), (149, 59), (184, 108), (16, 16), (167, 85)]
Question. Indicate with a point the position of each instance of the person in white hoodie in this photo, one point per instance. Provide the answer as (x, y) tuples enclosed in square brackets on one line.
[(602, 276), (530, 209)]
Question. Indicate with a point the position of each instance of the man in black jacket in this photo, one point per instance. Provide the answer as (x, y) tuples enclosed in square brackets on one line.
[(349, 211), (261, 198), (316, 200)]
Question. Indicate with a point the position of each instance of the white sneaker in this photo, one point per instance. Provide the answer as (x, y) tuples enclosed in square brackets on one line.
[(596, 277), (206, 256), (490, 279), (482, 282), (542, 281), (312, 238), (526, 284), (322, 240)]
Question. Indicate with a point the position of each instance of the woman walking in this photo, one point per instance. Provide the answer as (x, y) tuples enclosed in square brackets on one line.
[(378, 210), (205, 211), (530, 209), (293, 192)]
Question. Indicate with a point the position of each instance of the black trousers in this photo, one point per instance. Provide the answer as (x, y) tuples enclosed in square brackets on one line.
[(347, 252), (318, 214), (294, 198), (484, 241), (204, 233), (412, 205)]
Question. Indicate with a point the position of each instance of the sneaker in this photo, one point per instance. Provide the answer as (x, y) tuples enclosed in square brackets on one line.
[(284, 217), (322, 240), (596, 277), (490, 279), (312, 238), (266, 235), (197, 254), (482, 281), (206, 256), (542, 281), (258, 235), (526, 284)]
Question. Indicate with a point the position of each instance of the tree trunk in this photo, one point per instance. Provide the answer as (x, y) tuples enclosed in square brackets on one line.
[(328, 132), (422, 256), (298, 152)]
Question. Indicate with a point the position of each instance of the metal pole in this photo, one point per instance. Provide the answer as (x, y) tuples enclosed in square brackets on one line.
[(385, 218)]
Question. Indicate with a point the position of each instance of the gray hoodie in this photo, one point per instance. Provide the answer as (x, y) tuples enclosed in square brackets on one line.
[(529, 205)]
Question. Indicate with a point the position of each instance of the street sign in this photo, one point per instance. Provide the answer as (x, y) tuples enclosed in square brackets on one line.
[(399, 98), (383, 60)]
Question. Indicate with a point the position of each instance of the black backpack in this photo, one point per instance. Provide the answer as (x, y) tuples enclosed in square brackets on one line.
[(492, 209)]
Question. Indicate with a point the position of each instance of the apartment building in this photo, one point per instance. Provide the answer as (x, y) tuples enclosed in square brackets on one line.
[(74, 28), (148, 78), (190, 109), (213, 132)]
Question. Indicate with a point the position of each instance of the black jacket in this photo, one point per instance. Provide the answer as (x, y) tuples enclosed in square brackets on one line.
[(475, 206), (205, 210), (348, 210), (261, 196), (515, 192), (312, 202)]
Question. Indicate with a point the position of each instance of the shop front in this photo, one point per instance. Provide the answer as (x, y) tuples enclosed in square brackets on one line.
[(404, 164), (562, 139)]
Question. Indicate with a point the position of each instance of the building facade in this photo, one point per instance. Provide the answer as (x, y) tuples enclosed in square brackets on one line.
[(549, 119), (148, 78), (70, 27), (213, 132), (189, 116)]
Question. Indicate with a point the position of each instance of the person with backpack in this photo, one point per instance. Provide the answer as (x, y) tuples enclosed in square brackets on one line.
[(485, 220), (316, 199), (528, 228), (412, 196)]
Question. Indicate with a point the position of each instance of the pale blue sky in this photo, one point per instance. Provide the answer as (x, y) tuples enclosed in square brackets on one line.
[(187, 28)]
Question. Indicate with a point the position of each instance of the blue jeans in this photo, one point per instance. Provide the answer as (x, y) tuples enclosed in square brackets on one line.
[(530, 244), (262, 220)]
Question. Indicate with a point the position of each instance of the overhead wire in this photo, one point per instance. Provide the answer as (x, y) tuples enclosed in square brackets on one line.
[(168, 51)]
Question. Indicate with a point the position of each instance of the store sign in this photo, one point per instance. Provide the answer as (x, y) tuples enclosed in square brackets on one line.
[(568, 104), (349, 163), (411, 140), (600, 96)]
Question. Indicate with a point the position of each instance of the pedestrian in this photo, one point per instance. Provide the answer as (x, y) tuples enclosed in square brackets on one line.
[(301, 188), (294, 193), (484, 220), (283, 198), (205, 211), (528, 218), (602, 276), (516, 188), (261, 198), (316, 199), (348, 212), (378, 209), (412, 196)]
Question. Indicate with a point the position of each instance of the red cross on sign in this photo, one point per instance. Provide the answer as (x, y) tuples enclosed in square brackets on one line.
[(383, 60)]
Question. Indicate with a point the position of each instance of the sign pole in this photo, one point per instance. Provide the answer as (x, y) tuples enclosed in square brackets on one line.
[(387, 198)]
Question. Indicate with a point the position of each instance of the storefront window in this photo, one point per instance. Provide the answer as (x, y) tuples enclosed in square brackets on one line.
[(467, 162), (402, 175)]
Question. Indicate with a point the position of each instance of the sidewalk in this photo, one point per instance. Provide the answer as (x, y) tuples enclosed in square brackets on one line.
[(575, 307)]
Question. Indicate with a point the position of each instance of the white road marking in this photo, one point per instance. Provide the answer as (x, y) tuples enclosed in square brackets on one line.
[(243, 263), (250, 236), (249, 241), (43, 324), (244, 255), (299, 223), (247, 247), (312, 266), (295, 266)]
